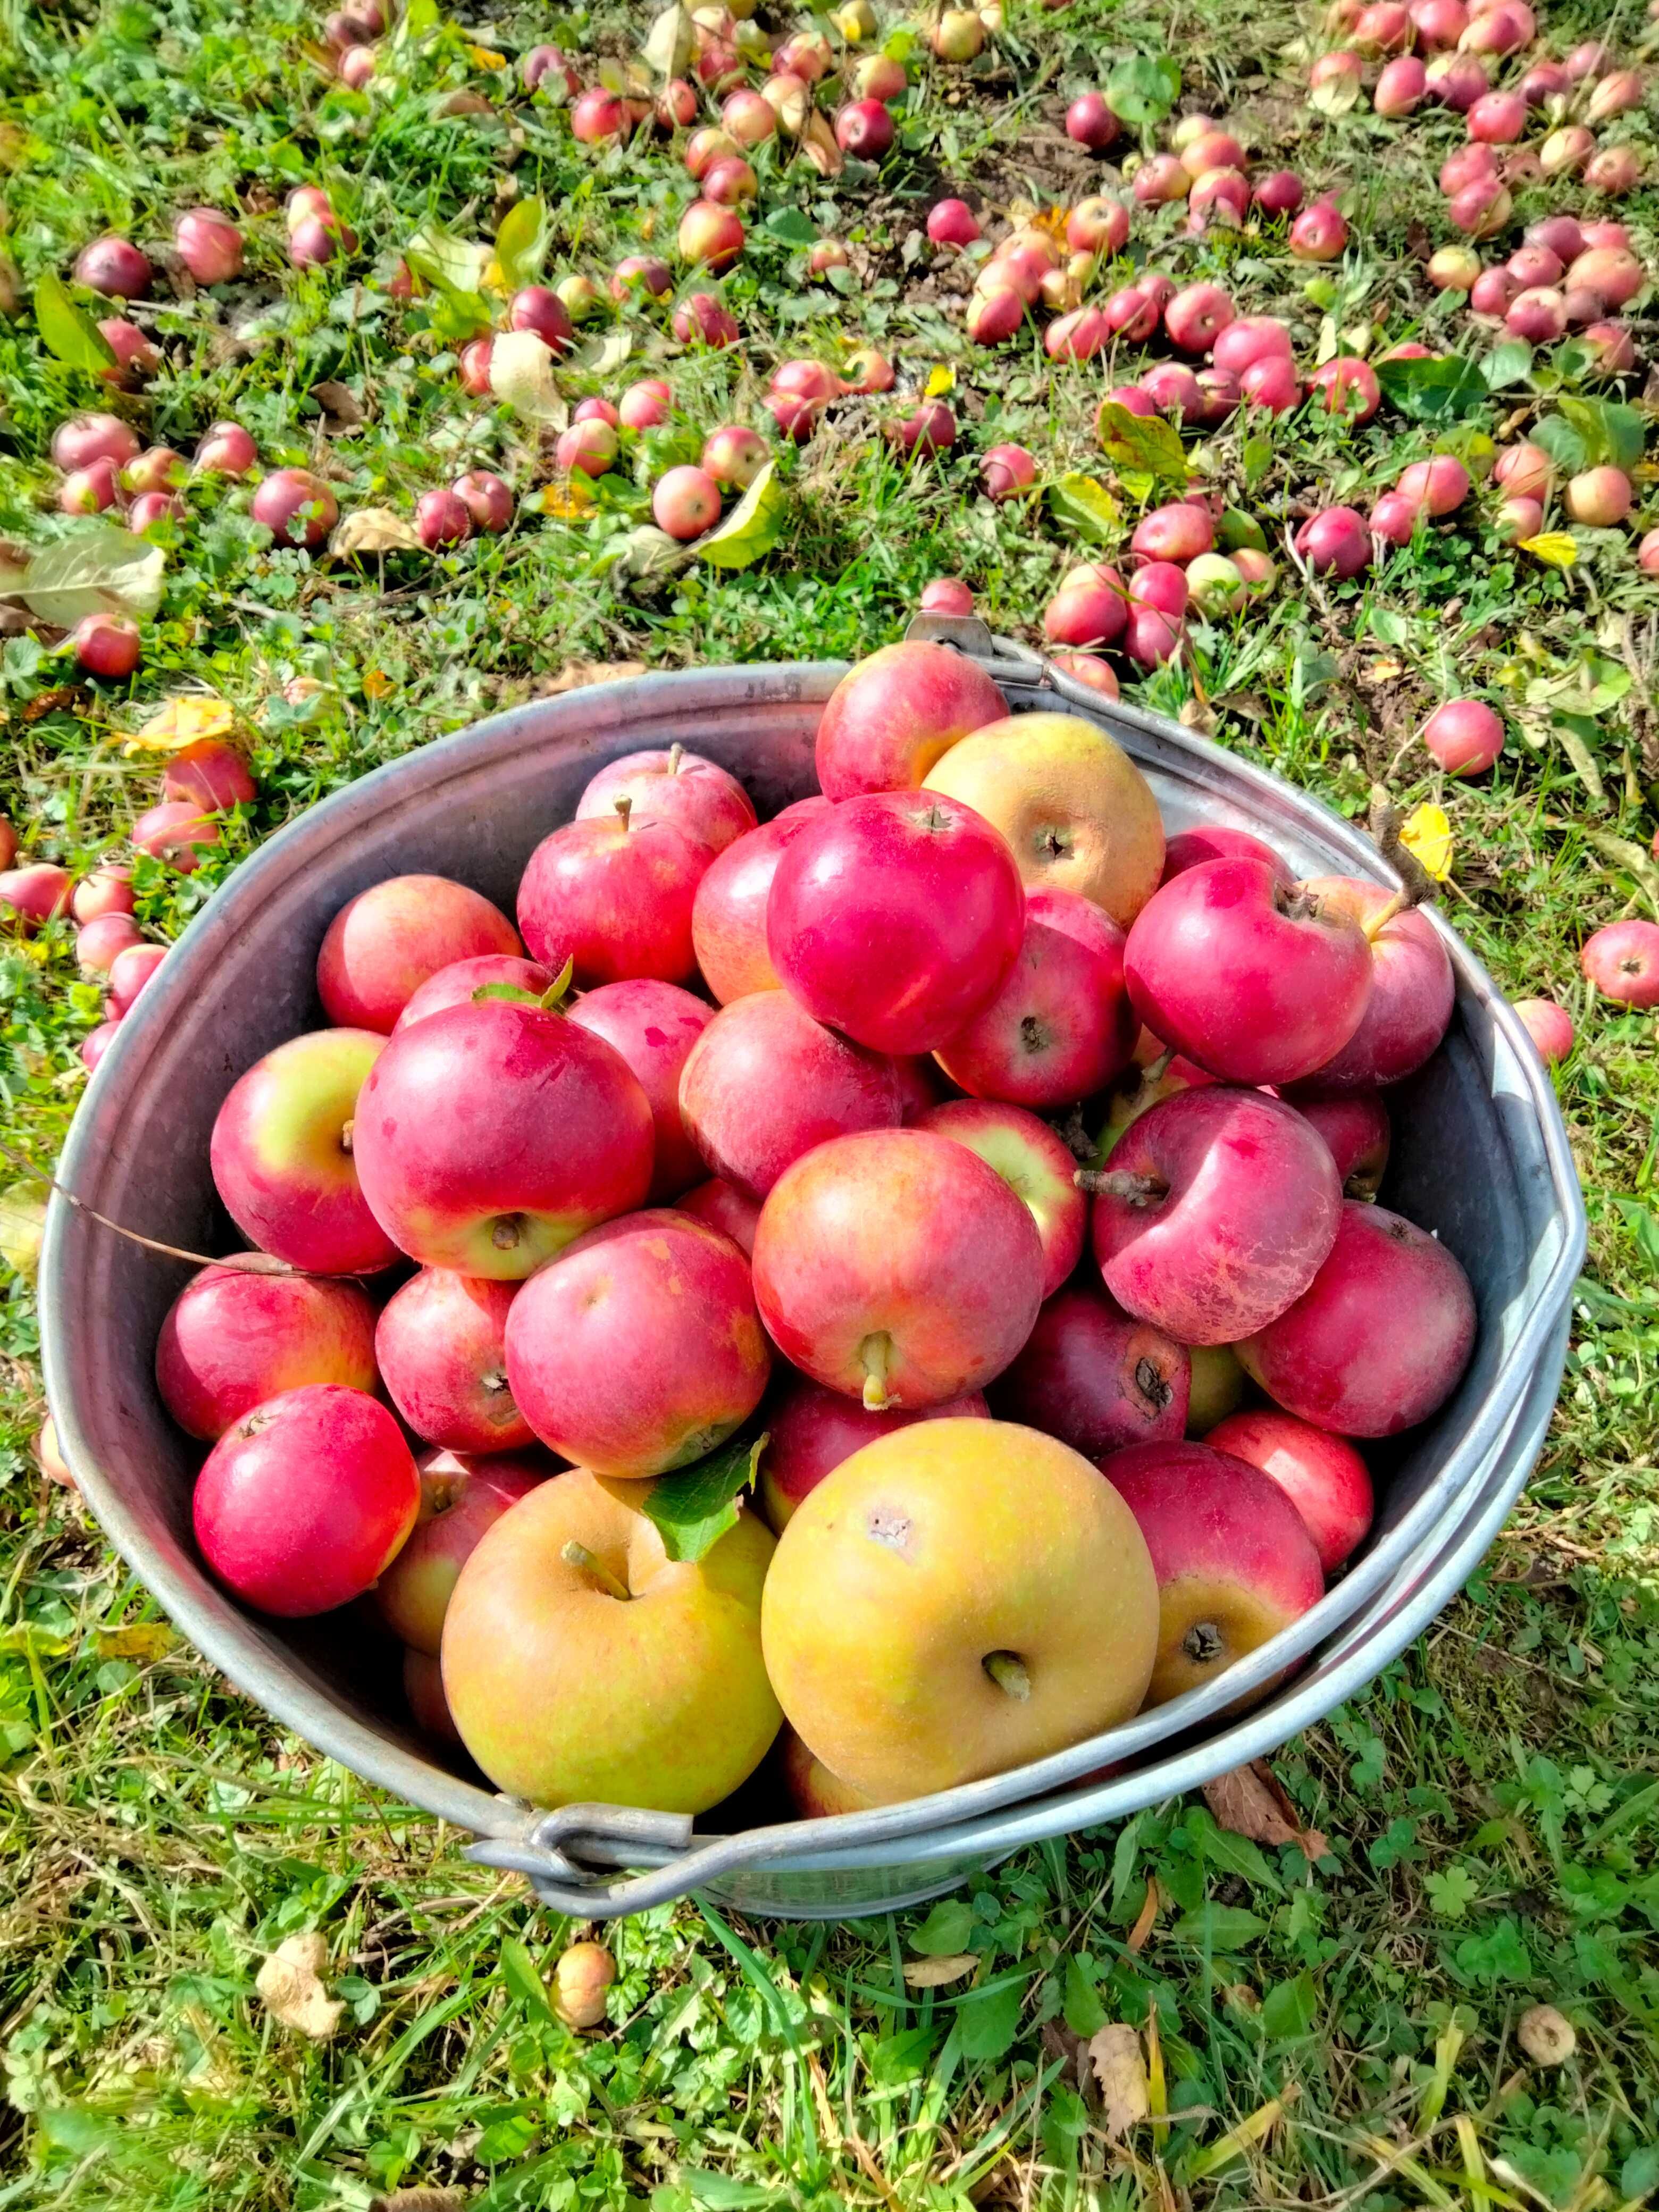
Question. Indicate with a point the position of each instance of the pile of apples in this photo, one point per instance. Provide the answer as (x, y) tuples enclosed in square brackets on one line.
[(1565, 276), (748, 1127)]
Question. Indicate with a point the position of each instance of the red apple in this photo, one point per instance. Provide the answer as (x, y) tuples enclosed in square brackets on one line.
[(536, 308), (115, 267), (130, 973), (945, 595), (1355, 1126), (489, 1137), (639, 1349), (1410, 1003), (85, 439), (1196, 317), (894, 714), (209, 774), (1319, 232), (1549, 1026), (1622, 961), (226, 451), (1234, 1560), (1348, 387), (392, 938), (1178, 532), (696, 795), (1036, 1165), (460, 1497), (1322, 1475), (896, 918), (1061, 1027), (1464, 736), (952, 222), (1217, 841), (306, 1500), (283, 1159), (1250, 338), (105, 890), (728, 915), (458, 983), (439, 1344), (1379, 1340), (99, 944), (1215, 1213), (654, 1026), (1094, 1376), (1279, 192), (614, 898), (486, 499), (1334, 540), (1257, 980), (735, 456), (898, 1266), (231, 1339), (765, 1084), (110, 647), (811, 1431), (442, 518), (725, 1208)]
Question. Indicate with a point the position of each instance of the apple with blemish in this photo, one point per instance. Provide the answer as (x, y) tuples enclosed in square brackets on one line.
[(438, 1345), (1095, 1377)]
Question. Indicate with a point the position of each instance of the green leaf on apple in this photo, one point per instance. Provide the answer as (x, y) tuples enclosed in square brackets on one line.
[(1143, 445), (694, 1508), (752, 528), (65, 330)]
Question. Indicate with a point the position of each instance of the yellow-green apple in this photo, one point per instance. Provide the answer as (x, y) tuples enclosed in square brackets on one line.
[(1380, 1337), (423, 1686), (728, 915), (1410, 1001), (1078, 812), (813, 1792), (383, 945), (489, 1137), (1355, 1125), (582, 1664), (1094, 1376), (1258, 980), (897, 712), (1216, 1387), (1234, 1559), (725, 1208), (639, 1349), (1061, 1027), (895, 1266), (231, 1339), (581, 1983), (810, 1431), (614, 898), (283, 1156), (461, 982), (460, 1497), (1216, 1213), (696, 795), (440, 1344), (764, 1083), (895, 917), (1322, 1474), (1036, 1165), (654, 1026), (953, 1601), (306, 1501)]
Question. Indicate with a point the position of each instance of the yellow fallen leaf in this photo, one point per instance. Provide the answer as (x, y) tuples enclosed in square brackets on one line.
[(290, 1984), (146, 1641), (568, 501), (940, 382), (1556, 547), (181, 722), (1121, 2072), (377, 684), (934, 1973), (521, 374), (373, 530), (1239, 2140), (1427, 835), (486, 57)]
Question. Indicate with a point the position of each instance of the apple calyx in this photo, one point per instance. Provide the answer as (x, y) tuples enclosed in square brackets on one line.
[(577, 1555), (1153, 1386), (507, 1232), (1203, 1643), (874, 1354), (1007, 1670), (1119, 1182), (345, 1138)]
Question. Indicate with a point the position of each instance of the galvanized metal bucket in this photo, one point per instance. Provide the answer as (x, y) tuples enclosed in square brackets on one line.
[(1480, 1157)]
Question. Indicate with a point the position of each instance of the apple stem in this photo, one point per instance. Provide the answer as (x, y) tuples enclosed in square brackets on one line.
[(506, 1234), (1156, 1070), (1119, 1182), (874, 1353), (577, 1555), (1379, 921), (624, 808), (1007, 1670), (676, 755)]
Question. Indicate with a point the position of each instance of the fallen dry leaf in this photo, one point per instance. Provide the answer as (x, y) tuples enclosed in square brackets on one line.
[(1121, 2071), (1547, 2036), (61, 698), (339, 403), (180, 722), (146, 1641), (374, 530), (521, 374), (577, 674), (934, 1973), (420, 2200), (1144, 1917), (1251, 1801), (290, 1984)]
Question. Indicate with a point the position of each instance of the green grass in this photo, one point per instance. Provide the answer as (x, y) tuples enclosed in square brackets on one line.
[(1491, 1804)]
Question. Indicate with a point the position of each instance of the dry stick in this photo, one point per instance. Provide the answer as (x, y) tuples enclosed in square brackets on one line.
[(249, 1263)]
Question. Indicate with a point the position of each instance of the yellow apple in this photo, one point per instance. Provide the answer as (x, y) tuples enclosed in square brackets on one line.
[(958, 1598)]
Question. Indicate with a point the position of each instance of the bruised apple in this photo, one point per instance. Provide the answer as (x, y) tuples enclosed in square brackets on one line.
[(895, 714), (1234, 1560), (639, 1348), (491, 1135), (765, 1084), (1096, 1378), (898, 1266), (440, 1345), (231, 1339), (582, 1665), (954, 1599), (460, 1497), (1036, 1165), (811, 1431)]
